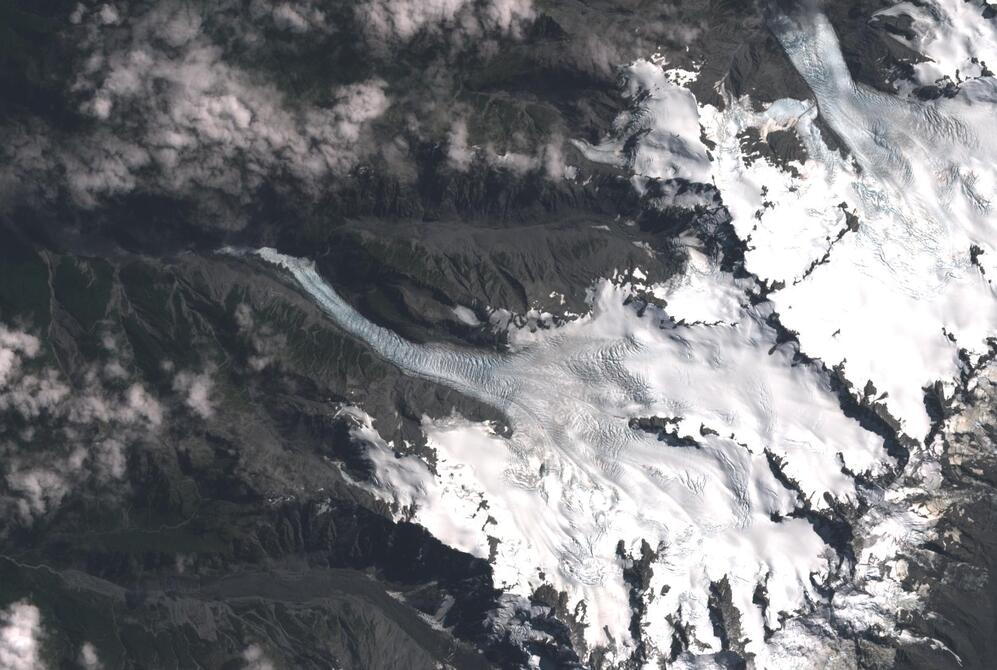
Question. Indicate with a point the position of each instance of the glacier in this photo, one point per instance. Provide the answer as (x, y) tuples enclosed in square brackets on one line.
[(879, 258), (576, 478), (894, 299)]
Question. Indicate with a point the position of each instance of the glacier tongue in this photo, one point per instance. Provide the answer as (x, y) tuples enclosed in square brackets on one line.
[(577, 478), (745, 434)]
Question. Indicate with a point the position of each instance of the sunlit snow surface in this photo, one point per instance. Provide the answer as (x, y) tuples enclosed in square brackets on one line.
[(890, 301), (668, 121), (898, 297), (950, 33), (574, 479)]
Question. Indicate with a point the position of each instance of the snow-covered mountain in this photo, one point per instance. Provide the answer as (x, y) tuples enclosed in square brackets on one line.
[(711, 451), (433, 334)]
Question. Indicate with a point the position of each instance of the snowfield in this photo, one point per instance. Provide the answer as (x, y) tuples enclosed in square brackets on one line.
[(688, 427), (576, 479)]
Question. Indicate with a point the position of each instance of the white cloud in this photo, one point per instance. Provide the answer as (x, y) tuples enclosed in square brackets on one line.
[(19, 341), (358, 104), (143, 405), (20, 637), (244, 317), (86, 427), (462, 19), (110, 456), (509, 15), (513, 161), (292, 18), (404, 18), (197, 388), (255, 658), (296, 16), (548, 157), (176, 110), (554, 162), (114, 370), (176, 115), (109, 15), (265, 341), (13, 344), (28, 394), (88, 657), (459, 154), (77, 14), (39, 490)]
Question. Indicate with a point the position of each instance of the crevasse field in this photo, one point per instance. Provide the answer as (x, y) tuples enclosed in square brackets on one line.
[(752, 436)]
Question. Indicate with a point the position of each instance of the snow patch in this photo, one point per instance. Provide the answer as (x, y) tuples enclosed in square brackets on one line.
[(466, 316), (667, 117), (958, 40)]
